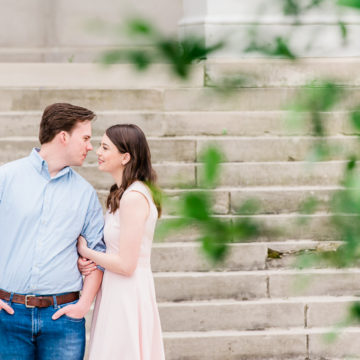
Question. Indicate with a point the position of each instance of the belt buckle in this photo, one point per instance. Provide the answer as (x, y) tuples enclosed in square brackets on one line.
[(26, 301)]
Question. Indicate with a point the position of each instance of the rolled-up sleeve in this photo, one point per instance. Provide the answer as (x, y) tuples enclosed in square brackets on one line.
[(2, 182), (93, 230)]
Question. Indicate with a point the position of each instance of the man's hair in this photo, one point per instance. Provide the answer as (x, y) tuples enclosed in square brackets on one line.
[(61, 117)]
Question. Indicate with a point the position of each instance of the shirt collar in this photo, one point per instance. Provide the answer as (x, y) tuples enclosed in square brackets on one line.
[(42, 167)]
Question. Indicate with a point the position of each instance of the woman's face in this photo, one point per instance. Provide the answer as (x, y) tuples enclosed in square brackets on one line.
[(109, 158)]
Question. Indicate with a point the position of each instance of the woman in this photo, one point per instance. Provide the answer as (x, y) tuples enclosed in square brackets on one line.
[(126, 322)]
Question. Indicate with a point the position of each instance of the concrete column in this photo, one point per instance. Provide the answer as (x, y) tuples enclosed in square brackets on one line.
[(316, 33)]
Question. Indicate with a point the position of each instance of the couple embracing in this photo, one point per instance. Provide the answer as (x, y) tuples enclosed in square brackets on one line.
[(49, 215)]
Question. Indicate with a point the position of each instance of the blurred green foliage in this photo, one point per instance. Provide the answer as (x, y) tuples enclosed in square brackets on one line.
[(312, 104), (180, 54), (296, 7), (195, 209), (279, 47), (350, 3)]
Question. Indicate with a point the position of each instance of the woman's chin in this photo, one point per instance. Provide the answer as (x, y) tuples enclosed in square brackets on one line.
[(101, 167)]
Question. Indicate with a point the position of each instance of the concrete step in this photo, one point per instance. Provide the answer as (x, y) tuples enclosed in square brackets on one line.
[(252, 315), (87, 75), (272, 227), (180, 99), (162, 149), (185, 123), (261, 314), (189, 149), (190, 257), (257, 72), (183, 257), (232, 174), (281, 73), (246, 285), (284, 344), (270, 200)]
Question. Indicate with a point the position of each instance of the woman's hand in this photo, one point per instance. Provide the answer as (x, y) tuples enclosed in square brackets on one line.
[(86, 266), (82, 247)]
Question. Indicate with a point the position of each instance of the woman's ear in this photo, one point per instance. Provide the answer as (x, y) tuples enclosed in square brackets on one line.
[(126, 158)]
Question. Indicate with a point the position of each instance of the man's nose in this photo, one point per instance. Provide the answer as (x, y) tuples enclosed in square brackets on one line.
[(90, 147)]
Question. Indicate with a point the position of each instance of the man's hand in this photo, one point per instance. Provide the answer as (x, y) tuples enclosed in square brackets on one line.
[(76, 311), (86, 267), (6, 307)]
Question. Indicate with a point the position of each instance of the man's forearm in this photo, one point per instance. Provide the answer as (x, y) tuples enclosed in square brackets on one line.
[(91, 286)]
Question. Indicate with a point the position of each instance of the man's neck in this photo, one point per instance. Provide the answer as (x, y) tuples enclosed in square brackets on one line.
[(51, 155)]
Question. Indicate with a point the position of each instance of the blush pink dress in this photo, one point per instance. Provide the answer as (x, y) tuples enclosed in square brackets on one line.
[(126, 323)]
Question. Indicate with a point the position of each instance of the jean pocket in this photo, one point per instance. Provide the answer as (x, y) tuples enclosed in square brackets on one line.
[(73, 319), (66, 304)]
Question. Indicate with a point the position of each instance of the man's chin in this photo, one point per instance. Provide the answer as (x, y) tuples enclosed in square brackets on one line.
[(77, 163)]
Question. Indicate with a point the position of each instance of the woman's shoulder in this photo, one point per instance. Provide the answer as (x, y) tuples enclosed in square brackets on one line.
[(140, 187)]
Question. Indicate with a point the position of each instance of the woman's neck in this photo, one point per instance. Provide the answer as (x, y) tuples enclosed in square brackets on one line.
[(118, 176)]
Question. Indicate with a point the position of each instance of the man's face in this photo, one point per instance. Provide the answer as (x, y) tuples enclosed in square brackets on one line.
[(79, 143)]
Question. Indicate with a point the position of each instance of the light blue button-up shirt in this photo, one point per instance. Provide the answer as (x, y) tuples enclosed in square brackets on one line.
[(40, 220)]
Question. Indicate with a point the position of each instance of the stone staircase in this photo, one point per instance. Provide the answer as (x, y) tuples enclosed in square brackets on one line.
[(252, 306)]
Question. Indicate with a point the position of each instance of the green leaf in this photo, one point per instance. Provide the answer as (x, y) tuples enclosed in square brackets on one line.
[(343, 30), (350, 3), (140, 59), (279, 48), (214, 249), (196, 205), (140, 27), (112, 57), (291, 7), (355, 118), (212, 158), (309, 206)]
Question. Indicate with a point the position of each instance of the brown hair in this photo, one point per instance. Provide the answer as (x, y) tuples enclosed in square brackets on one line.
[(61, 117), (129, 138)]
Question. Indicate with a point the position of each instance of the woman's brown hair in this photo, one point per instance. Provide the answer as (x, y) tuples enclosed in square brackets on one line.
[(129, 138)]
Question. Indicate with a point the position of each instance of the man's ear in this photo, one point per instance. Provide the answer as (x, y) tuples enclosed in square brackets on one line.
[(63, 137), (126, 158)]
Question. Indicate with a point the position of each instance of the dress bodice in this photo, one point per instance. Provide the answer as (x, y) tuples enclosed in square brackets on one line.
[(112, 230)]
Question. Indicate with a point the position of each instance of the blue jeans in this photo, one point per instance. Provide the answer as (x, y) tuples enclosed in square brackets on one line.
[(31, 334)]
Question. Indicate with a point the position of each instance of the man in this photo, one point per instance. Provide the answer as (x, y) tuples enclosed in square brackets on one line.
[(44, 206)]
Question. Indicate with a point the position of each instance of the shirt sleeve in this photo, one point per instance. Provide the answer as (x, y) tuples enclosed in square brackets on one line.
[(93, 229), (2, 182)]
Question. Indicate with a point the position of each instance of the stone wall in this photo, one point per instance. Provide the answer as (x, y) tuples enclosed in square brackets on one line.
[(59, 30)]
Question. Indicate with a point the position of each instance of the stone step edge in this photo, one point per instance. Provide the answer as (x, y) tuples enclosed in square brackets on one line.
[(293, 244), (234, 163), (261, 301), (297, 138), (175, 112), (248, 163), (250, 189), (262, 216), (266, 272), (270, 331)]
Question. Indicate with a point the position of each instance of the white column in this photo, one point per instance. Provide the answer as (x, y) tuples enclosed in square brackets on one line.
[(318, 35)]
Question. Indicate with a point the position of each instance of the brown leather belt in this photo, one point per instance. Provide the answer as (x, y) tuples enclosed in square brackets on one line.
[(32, 301)]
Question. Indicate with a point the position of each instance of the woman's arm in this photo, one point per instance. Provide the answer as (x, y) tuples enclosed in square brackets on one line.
[(133, 212)]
